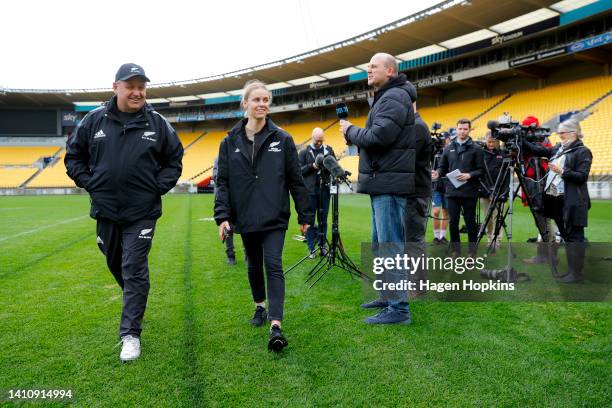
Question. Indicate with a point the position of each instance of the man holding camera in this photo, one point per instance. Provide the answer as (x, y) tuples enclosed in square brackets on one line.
[(126, 155), (313, 174), (386, 168), (464, 159), (493, 158)]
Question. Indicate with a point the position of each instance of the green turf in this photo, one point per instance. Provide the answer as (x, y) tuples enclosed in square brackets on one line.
[(60, 307)]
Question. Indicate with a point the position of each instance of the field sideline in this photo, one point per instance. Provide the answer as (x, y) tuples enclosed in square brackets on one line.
[(60, 307)]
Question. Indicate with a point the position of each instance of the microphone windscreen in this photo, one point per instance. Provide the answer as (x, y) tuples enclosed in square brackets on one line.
[(342, 111), (332, 165), (492, 124), (319, 160)]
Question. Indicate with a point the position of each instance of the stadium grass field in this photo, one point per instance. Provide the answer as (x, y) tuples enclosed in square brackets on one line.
[(60, 307)]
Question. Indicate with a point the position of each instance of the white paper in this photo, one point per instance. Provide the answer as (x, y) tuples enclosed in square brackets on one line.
[(452, 176)]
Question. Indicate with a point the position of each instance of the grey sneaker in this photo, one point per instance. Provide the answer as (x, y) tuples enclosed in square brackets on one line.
[(378, 303), (389, 316)]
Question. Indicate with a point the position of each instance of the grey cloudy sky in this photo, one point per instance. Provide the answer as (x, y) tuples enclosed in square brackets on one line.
[(80, 44)]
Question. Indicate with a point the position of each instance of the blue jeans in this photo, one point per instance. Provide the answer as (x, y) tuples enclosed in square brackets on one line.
[(388, 238)]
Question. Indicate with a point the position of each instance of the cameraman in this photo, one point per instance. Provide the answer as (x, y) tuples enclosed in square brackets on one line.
[(438, 201), (493, 158), (467, 157), (566, 196), (534, 169), (319, 198)]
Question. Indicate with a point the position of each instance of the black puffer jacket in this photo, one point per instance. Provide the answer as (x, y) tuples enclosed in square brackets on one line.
[(422, 171), (254, 181), (387, 143), (492, 166), (576, 199), (468, 159), (125, 168)]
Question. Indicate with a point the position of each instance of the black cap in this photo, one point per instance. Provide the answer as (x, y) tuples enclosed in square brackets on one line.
[(129, 70)]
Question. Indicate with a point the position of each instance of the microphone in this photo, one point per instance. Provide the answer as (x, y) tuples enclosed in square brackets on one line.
[(342, 111), (331, 164), (319, 161), (492, 124)]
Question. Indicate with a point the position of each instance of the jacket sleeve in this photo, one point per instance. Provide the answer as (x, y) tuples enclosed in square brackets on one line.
[(296, 185), (479, 168), (580, 173), (537, 150), (443, 165), (332, 153), (305, 167), (76, 159), (223, 209), (171, 159), (386, 126)]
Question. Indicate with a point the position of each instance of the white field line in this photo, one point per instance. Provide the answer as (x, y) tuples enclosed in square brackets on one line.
[(32, 231)]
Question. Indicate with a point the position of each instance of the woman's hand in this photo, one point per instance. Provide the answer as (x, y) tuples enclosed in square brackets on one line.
[(224, 225), (304, 228), (555, 168)]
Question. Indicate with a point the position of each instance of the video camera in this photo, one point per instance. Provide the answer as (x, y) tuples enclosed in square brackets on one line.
[(512, 133), (437, 139)]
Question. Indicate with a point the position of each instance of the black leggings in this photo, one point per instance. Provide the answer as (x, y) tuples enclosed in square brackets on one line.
[(266, 247)]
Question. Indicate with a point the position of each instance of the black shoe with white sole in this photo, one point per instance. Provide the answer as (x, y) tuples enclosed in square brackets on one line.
[(277, 341)]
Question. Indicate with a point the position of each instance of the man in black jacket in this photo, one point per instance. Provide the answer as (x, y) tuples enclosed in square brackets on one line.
[(493, 158), (466, 157), (319, 197), (386, 166), (126, 155)]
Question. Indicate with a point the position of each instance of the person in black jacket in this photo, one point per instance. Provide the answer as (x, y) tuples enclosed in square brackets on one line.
[(257, 169), (386, 167), (466, 157), (126, 155), (566, 195), (493, 158), (319, 197)]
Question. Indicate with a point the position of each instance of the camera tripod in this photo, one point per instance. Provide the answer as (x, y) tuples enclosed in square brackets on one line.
[(336, 255), (505, 180)]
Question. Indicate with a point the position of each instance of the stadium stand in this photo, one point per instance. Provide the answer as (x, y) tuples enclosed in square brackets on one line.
[(200, 155), (53, 175), (25, 155), (12, 177)]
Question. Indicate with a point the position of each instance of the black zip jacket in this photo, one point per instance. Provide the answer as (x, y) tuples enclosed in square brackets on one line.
[(254, 181), (307, 158), (422, 171), (386, 144), (576, 199), (124, 168), (468, 159)]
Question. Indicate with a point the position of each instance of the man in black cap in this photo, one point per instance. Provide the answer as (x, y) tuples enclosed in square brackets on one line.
[(126, 155)]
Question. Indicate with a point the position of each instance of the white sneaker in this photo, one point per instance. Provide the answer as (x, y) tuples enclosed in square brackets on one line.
[(131, 348)]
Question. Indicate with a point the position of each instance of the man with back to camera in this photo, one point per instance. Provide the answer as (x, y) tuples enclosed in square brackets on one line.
[(319, 197), (467, 157), (386, 168), (126, 155)]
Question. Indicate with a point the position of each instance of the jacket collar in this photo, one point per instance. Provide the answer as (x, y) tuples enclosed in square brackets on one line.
[(394, 82), (112, 110), (237, 135)]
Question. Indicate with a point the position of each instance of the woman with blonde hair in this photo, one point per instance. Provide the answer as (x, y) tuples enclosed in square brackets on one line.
[(257, 170)]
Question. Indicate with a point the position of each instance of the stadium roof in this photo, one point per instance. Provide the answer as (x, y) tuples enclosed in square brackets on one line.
[(448, 24)]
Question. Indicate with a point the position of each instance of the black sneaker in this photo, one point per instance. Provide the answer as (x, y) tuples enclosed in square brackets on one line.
[(376, 303), (259, 317), (277, 341), (231, 260)]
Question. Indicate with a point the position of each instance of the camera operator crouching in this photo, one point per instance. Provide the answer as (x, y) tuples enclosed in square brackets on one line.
[(462, 164), (566, 196)]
